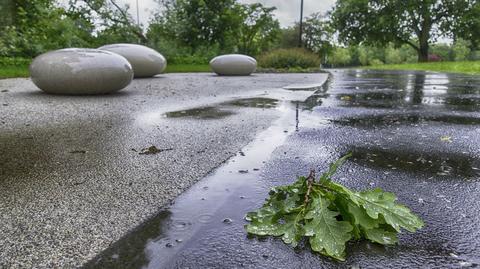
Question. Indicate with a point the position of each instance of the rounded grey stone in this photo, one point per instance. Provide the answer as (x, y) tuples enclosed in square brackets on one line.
[(233, 65), (80, 71), (146, 62)]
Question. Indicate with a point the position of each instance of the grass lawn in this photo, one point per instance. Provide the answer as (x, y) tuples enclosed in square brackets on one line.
[(472, 67), (22, 71), (186, 68), (13, 71)]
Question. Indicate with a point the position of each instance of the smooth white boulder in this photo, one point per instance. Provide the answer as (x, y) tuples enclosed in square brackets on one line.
[(233, 65), (80, 71), (146, 62)]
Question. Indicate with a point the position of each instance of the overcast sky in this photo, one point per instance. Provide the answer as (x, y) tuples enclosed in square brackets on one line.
[(287, 11)]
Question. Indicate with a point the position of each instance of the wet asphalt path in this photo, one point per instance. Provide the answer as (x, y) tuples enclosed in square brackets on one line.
[(72, 176), (412, 133)]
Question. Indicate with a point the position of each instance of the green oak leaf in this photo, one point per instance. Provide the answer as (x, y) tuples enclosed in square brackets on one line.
[(342, 190), (396, 215), (271, 210), (292, 232), (381, 236), (331, 216), (327, 234), (341, 204), (264, 228), (334, 167), (361, 217), (287, 227)]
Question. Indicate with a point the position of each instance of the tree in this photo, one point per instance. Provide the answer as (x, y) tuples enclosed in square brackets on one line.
[(7, 11), (392, 55), (226, 25), (340, 57), (412, 22), (461, 50), (317, 34), (288, 37), (258, 30), (196, 23), (37, 26), (468, 26), (116, 24)]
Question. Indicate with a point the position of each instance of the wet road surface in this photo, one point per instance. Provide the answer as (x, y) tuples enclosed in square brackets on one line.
[(78, 172), (412, 133)]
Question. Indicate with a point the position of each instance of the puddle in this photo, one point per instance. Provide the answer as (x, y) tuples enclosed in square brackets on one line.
[(438, 165), (204, 227), (221, 110), (205, 113), (254, 102), (386, 120), (373, 100), (373, 89), (220, 199)]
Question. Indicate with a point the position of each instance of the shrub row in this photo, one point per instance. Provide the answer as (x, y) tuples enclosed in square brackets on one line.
[(12, 61), (289, 59)]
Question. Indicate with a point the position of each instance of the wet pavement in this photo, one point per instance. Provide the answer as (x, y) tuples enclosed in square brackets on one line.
[(79, 172), (412, 133)]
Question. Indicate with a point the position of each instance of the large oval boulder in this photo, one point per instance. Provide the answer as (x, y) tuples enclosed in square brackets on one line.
[(80, 71), (233, 65), (146, 62)]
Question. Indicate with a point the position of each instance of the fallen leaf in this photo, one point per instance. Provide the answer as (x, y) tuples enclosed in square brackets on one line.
[(153, 150)]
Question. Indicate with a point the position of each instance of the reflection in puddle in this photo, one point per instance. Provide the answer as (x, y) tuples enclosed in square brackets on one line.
[(384, 120), (254, 102), (120, 255), (444, 164), (200, 113), (221, 110), (373, 99), (462, 103), (220, 200), (374, 89)]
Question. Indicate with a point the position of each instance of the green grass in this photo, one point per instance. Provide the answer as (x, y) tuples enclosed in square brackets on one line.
[(187, 68), (22, 71), (472, 67), (13, 71)]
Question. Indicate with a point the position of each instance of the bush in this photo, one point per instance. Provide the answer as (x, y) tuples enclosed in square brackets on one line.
[(177, 54), (341, 57), (289, 58), (443, 50), (376, 62), (461, 50), (392, 55), (11, 61)]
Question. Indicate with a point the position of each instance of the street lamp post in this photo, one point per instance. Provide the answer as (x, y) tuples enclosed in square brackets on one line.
[(138, 15), (300, 25)]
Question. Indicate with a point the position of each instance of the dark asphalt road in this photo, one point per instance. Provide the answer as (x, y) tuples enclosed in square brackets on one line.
[(412, 133), (72, 179)]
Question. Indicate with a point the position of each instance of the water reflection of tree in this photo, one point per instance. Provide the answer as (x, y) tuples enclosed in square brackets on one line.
[(129, 252), (418, 87)]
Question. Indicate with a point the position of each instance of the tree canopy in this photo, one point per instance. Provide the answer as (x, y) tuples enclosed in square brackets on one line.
[(412, 22), (194, 31), (226, 24)]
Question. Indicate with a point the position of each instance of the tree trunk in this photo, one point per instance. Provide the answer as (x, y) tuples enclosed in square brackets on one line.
[(423, 44), (424, 36), (423, 53)]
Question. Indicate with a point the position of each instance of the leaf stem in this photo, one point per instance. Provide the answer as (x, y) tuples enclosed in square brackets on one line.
[(310, 181)]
